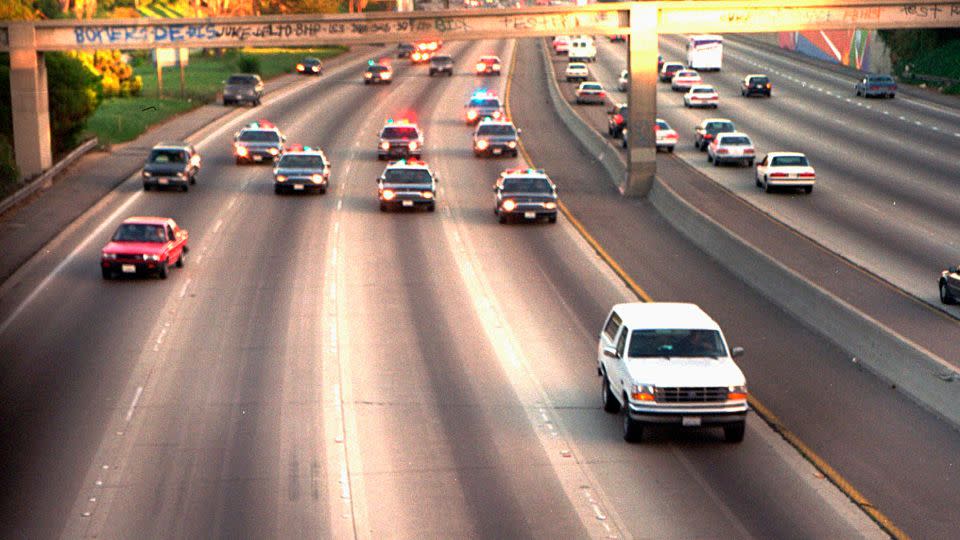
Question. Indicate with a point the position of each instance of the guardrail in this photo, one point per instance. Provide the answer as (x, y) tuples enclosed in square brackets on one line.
[(45, 179)]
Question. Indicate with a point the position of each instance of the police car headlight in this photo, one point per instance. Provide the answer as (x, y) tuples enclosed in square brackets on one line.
[(550, 205), (509, 205), (367, 75), (386, 75), (388, 194), (482, 145), (511, 144), (384, 145), (317, 178), (273, 151), (241, 150), (480, 67), (471, 114), (413, 145), (281, 178), (427, 194), (496, 114)]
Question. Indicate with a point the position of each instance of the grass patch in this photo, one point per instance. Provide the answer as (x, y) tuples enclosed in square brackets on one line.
[(123, 119)]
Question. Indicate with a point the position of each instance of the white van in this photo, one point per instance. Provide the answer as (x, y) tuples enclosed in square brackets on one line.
[(582, 49), (705, 52), (668, 363)]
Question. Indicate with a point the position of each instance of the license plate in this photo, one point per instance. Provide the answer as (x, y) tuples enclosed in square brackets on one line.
[(498, 150), (298, 187), (128, 268), (407, 203), (690, 421), (164, 181), (530, 215), (258, 158)]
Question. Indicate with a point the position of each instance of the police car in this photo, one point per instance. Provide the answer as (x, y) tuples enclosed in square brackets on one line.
[(301, 168), (377, 73), (527, 194), (483, 104), (407, 183), (400, 139), (494, 138), (258, 142)]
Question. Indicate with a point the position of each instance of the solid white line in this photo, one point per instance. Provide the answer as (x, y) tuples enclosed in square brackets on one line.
[(340, 204), (183, 291), (232, 202), (336, 228), (217, 225), (133, 404), (80, 247)]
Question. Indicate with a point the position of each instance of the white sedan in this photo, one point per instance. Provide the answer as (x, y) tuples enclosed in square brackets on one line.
[(734, 146), (591, 92), (785, 169), (576, 71), (685, 79), (701, 95), (624, 81), (666, 136)]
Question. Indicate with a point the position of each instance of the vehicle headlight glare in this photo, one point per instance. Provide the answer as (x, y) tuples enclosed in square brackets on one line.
[(367, 75), (281, 178), (482, 145), (413, 145), (110, 256), (241, 150), (550, 205), (145, 173), (511, 144), (509, 205), (427, 194), (273, 151), (151, 257), (385, 145), (317, 178), (388, 194)]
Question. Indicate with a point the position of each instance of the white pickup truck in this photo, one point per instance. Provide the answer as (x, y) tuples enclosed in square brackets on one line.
[(668, 363)]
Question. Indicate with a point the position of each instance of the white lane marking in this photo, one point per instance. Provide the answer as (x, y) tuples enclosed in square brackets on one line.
[(935, 128), (163, 332), (917, 122), (886, 113), (904, 118), (217, 225), (133, 404), (344, 482), (59, 268), (336, 229), (232, 202), (956, 134), (183, 291), (340, 204)]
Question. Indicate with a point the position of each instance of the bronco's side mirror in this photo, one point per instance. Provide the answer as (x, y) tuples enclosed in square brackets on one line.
[(736, 352)]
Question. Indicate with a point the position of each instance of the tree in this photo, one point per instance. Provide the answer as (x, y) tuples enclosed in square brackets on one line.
[(73, 95)]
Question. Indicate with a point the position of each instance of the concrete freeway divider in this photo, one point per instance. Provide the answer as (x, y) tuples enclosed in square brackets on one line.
[(922, 375)]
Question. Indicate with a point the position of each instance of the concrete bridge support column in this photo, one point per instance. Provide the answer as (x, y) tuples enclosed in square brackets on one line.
[(29, 101), (642, 100)]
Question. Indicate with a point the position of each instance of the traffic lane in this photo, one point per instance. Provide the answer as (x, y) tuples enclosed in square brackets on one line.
[(445, 446), (896, 231), (97, 337), (783, 361)]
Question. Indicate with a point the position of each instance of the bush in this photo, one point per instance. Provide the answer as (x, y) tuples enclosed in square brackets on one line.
[(9, 173), (248, 64), (74, 94)]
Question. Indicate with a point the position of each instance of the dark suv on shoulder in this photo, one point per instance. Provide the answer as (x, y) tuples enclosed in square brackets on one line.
[(173, 164), (243, 87)]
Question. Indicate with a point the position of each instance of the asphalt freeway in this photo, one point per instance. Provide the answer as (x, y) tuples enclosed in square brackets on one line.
[(886, 193), (322, 369)]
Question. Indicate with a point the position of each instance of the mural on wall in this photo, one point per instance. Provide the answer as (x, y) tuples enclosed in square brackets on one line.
[(847, 47)]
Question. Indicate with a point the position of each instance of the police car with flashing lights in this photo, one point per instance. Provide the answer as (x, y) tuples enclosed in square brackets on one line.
[(301, 168), (527, 194), (494, 138), (400, 139), (258, 142), (377, 73), (483, 104), (407, 183)]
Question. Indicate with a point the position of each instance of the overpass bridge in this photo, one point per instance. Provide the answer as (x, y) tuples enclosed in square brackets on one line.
[(27, 42)]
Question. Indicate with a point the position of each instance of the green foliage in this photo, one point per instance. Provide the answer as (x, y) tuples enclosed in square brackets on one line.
[(6, 111), (9, 173), (73, 95), (907, 46), (248, 64), (943, 61)]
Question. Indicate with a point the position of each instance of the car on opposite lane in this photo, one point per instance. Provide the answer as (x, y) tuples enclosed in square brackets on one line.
[(527, 194), (731, 147), (708, 128), (258, 142), (877, 85), (488, 65), (669, 69), (576, 72), (495, 138), (785, 169), (310, 66), (171, 164), (407, 184), (701, 95), (400, 139), (684, 79), (301, 168), (591, 92), (243, 87), (377, 74), (441, 63), (949, 285), (756, 83), (144, 245)]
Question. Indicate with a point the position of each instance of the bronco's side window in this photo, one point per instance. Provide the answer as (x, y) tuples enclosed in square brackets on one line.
[(613, 323), (622, 343)]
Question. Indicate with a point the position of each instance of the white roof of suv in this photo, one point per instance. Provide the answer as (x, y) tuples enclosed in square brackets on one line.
[(664, 315)]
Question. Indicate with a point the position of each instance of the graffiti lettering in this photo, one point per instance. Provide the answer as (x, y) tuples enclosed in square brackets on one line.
[(446, 24), (923, 11), (170, 33)]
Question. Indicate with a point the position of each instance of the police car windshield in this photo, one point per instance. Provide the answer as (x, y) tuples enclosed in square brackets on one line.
[(135, 232), (407, 176), (675, 343), (241, 79), (399, 133), (735, 141), (484, 102), (527, 185), (301, 162), (167, 156), (788, 161), (259, 136), (378, 68), (496, 129)]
